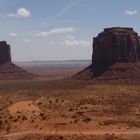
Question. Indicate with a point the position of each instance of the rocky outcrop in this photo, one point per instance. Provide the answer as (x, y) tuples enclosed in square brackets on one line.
[(116, 45), (116, 55), (5, 52), (8, 70)]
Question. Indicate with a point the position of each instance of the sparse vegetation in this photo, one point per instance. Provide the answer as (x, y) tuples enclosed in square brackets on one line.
[(67, 107), (87, 119)]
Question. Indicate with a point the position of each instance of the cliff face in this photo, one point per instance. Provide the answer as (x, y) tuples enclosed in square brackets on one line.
[(116, 56), (116, 45), (8, 70), (5, 52)]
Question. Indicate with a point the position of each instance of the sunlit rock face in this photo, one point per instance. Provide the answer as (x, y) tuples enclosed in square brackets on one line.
[(5, 52), (116, 44)]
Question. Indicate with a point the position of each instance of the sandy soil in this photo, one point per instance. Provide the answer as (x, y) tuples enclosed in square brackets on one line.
[(23, 106), (68, 110)]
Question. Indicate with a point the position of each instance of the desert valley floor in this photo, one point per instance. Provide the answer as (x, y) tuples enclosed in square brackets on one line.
[(53, 107)]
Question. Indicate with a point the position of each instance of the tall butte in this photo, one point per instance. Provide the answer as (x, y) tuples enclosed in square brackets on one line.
[(8, 70), (116, 56)]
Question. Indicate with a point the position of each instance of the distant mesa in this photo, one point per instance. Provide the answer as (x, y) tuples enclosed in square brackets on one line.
[(116, 55), (8, 70)]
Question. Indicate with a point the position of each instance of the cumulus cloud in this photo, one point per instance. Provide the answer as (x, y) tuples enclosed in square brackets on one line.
[(56, 31), (13, 34), (131, 13), (22, 12), (71, 41)]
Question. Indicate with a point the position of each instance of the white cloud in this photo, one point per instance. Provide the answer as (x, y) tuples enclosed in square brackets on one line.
[(71, 41), (131, 13), (56, 31), (22, 12), (27, 40), (13, 34), (70, 37)]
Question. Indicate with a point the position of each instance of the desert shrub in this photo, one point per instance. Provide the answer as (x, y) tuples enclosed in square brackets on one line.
[(24, 118), (87, 119)]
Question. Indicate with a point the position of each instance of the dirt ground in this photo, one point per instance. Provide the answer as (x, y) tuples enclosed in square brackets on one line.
[(67, 109)]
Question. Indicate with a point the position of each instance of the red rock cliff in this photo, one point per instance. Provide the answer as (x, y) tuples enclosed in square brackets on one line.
[(5, 52), (116, 56), (8, 70), (116, 45)]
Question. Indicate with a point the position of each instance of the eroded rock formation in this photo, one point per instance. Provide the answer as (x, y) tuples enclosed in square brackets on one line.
[(5, 52), (116, 45), (116, 55), (8, 70)]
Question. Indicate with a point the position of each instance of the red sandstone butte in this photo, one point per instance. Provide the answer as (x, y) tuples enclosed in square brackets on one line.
[(5, 52), (116, 56), (8, 70)]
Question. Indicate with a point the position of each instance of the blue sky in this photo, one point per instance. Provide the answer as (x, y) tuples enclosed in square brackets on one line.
[(61, 29)]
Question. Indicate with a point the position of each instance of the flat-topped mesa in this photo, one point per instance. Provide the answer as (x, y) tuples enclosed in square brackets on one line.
[(115, 58), (116, 44), (5, 52)]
